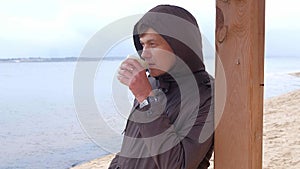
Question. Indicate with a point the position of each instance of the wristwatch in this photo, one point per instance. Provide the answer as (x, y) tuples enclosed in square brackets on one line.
[(147, 101)]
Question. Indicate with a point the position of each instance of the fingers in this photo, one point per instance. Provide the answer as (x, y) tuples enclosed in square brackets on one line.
[(126, 67), (132, 66), (124, 80), (128, 70), (124, 74), (135, 64), (132, 74)]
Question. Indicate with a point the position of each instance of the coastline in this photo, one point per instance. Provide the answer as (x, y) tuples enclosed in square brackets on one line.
[(296, 74), (281, 142)]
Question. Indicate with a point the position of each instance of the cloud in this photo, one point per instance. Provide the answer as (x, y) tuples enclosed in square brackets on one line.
[(63, 26)]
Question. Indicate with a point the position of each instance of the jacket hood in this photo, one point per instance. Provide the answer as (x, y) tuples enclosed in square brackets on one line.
[(179, 28)]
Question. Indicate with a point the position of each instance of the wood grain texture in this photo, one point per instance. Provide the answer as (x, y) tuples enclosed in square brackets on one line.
[(240, 48)]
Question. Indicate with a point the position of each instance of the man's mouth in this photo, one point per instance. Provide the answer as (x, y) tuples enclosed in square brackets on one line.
[(151, 64)]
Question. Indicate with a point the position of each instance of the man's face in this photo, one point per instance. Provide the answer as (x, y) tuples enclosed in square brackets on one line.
[(157, 53)]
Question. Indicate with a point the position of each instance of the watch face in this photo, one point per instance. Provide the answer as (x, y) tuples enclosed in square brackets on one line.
[(148, 100), (152, 99), (144, 103)]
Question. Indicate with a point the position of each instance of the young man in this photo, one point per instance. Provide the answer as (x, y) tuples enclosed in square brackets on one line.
[(171, 123)]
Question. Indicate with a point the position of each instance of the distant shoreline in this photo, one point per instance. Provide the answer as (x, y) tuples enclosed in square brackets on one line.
[(65, 59), (296, 74)]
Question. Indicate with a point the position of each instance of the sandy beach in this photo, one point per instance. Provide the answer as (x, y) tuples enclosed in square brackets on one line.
[(281, 132), (281, 139)]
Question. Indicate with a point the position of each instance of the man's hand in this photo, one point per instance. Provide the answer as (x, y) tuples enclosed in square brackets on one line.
[(132, 74)]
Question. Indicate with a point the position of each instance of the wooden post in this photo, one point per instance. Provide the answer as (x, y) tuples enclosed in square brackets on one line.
[(240, 47)]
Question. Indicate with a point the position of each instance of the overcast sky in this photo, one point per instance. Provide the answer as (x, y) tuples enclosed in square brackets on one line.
[(61, 28)]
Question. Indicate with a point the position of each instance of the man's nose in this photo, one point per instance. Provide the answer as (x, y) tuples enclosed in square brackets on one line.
[(146, 53)]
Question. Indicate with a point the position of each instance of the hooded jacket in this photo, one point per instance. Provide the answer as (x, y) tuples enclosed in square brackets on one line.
[(176, 130)]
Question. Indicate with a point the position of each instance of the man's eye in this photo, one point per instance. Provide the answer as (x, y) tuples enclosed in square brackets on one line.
[(152, 44)]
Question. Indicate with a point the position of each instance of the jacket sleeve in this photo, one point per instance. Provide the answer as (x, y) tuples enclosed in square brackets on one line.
[(183, 144)]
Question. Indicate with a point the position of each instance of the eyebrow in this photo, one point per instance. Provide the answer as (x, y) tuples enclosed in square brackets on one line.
[(148, 40)]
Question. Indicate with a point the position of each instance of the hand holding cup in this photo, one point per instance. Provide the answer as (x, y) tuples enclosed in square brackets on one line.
[(132, 73)]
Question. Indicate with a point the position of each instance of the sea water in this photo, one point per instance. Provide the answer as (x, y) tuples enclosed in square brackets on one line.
[(39, 124)]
